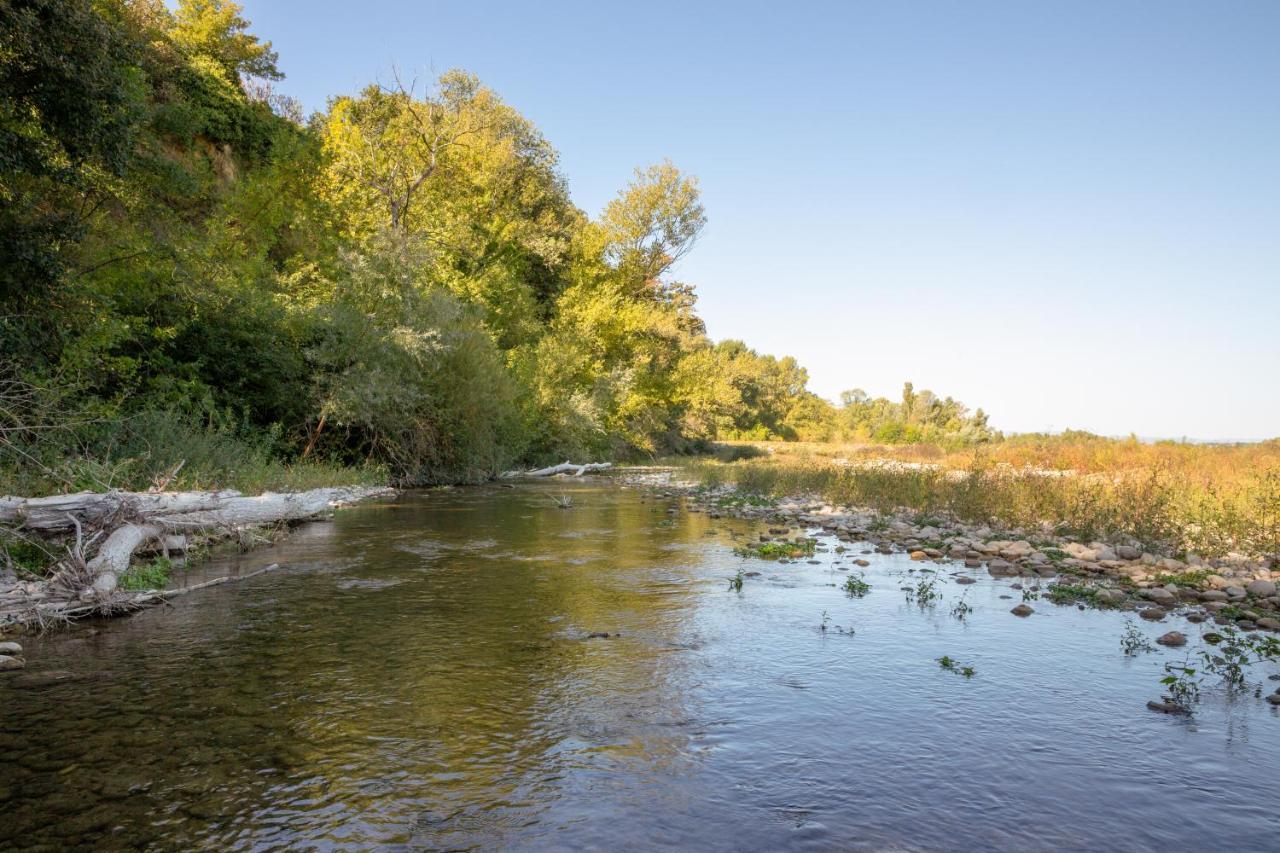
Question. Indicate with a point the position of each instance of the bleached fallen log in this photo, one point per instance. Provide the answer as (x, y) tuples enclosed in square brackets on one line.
[(268, 508), (134, 520), (59, 513), (565, 467), (112, 559)]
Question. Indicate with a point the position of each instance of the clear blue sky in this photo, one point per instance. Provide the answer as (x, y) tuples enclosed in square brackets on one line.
[(1065, 212)]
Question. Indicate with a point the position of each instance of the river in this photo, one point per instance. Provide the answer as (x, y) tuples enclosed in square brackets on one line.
[(418, 674)]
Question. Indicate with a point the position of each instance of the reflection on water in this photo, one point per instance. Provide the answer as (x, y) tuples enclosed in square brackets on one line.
[(418, 674)]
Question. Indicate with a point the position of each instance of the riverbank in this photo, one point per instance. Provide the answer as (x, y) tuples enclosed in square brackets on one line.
[(1172, 499), (77, 555), (1233, 590)]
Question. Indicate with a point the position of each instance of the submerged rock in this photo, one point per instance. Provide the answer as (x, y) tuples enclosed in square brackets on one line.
[(9, 662), (999, 568), (1166, 707), (1023, 610), (1173, 638), (1155, 614)]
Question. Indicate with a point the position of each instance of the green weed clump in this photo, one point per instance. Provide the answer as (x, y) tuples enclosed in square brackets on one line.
[(1193, 578), (776, 550), (150, 575), (856, 586), (1069, 593), (952, 665)]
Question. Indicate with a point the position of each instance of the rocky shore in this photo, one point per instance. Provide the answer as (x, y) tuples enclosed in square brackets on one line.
[(1237, 590)]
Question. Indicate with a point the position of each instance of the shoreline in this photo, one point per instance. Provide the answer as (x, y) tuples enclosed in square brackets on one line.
[(74, 587), (1235, 591)]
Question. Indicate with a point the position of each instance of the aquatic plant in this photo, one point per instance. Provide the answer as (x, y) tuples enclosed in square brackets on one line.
[(1182, 685), (1235, 653), (826, 620), (735, 582), (1133, 641), (925, 592), (962, 608), (952, 665), (856, 586), (563, 501)]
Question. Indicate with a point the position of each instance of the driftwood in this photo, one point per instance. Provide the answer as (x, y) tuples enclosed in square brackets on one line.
[(565, 467), (122, 524)]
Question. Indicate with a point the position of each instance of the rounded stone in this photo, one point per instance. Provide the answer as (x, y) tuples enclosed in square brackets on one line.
[(1261, 589), (1173, 638), (1022, 610)]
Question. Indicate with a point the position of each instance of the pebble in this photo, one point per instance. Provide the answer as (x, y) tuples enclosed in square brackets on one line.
[(9, 662), (11, 649), (1173, 638), (1022, 610), (1155, 614)]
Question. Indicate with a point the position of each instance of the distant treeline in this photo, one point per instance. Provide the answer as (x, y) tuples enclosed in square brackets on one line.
[(190, 269)]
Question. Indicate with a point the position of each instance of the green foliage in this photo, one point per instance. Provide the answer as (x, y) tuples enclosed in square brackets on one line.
[(1232, 656), (1133, 641), (1191, 578), (1182, 685), (952, 665), (150, 575), (856, 586), (776, 550), (402, 286), (1066, 593), (925, 592), (920, 417)]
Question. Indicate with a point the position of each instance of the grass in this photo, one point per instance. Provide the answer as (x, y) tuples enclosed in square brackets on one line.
[(776, 550), (1168, 497), (1193, 578), (150, 575)]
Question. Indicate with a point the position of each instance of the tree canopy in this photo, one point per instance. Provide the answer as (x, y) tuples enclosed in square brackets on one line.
[(403, 280)]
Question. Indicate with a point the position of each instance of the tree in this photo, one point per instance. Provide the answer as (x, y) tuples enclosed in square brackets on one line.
[(653, 222), (216, 29), (69, 102)]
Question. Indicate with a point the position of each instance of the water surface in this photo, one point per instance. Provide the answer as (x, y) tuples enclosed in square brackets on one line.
[(418, 675)]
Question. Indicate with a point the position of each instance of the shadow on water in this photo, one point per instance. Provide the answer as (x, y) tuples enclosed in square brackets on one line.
[(420, 674)]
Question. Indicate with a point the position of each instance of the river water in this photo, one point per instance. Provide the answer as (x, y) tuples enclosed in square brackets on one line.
[(417, 675)]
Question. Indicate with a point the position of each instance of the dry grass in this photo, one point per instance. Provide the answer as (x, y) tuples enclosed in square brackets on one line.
[(1169, 497)]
